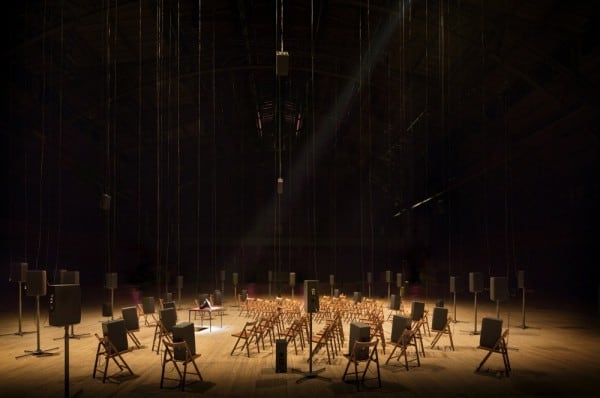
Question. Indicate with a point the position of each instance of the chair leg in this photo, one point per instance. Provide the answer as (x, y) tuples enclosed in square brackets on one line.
[(483, 361)]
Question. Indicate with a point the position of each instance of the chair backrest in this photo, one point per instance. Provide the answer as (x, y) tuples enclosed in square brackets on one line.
[(362, 350), (440, 318), (178, 350), (491, 331)]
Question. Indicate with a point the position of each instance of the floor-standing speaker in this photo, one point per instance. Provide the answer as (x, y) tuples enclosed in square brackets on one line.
[(169, 297), (398, 280), (440, 317), (357, 296), (311, 296), (184, 331), (361, 332), (64, 305), (18, 272), (116, 333), (36, 283), (394, 302), (491, 330), (130, 316), (336, 293), (168, 317), (218, 297), (111, 281), (498, 288), (453, 284), (475, 282), (148, 305), (417, 310), (388, 276), (280, 356), (399, 324), (521, 279)]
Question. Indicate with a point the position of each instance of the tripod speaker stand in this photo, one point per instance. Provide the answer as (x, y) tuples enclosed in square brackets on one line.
[(36, 283), (18, 273), (311, 297)]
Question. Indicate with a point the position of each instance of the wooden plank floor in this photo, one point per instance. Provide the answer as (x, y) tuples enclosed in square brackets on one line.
[(558, 356)]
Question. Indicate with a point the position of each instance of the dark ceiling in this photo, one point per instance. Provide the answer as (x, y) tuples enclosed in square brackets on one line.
[(428, 137)]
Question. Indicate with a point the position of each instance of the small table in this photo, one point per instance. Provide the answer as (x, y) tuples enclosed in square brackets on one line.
[(206, 310)]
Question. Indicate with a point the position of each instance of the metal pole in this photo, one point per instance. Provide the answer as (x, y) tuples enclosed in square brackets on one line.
[(20, 310), (67, 361), (37, 322), (475, 330), (523, 310), (454, 299), (112, 304)]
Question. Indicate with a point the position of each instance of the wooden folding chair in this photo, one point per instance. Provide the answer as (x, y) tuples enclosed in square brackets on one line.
[(107, 351), (406, 340), (248, 334), (441, 325), (490, 328), (178, 354), (357, 357)]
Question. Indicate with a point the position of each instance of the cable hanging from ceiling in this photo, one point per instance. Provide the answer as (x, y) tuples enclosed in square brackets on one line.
[(139, 137), (370, 143), (178, 145), (198, 147), (59, 144), (107, 180), (114, 189), (159, 11), (214, 146), (360, 150), (314, 138)]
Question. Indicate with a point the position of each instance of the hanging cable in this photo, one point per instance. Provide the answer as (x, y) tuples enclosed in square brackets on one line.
[(214, 147), (360, 150), (198, 147), (113, 206), (158, 137), (139, 138), (107, 182), (60, 126), (314, 148), (178, 153), (370, 143)]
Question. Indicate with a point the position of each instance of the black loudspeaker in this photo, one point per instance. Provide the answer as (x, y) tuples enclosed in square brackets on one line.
[(280, 356), (148, 305), (491, 330), (105, 202), (169, 297), (361, 332), (111, 280), (168, 304), (357, 296), (116, 333), (311, 296), (521, 279), (36, 283), (336, 293), (61, 277), (279, 185), (179, 281), (184, 331), (106, 309), (440, 317), (292, 278), (234, 278), (69, 278), (168, 317), (270, 276), (388, 276), (399, 325), (398, 280), (394, 302), (244, 295), (453, 284), (64, 305), (217, 297), (369, 278), (331, 279), (439, 303), (282, 63), (475, 282), (417, 309), (18, 272), (498, 288), (130, 317), (223, 274)]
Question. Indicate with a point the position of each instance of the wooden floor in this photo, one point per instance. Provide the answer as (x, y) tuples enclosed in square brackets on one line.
[(558, 355)]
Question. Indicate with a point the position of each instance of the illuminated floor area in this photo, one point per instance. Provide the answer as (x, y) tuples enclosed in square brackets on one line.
[(558, 355)]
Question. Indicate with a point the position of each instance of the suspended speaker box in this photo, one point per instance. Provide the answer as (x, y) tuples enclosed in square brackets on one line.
[(217, 297), (130, 317), (440, 317), (292, 278), (184, 331), (18, 272), (168, 318), (521, 279), (491, 330), (498, 288), (357, 296), (361, 332), (394, 302), (116, 333), (64, 305), (475, 282), (280, 356), (70, 277), (417, 310), (148, 305), (179, 281), (388, 276), (111, 280), (311, 296), (234, 278), (398, 280), (282, 63), (399, 325), (36, 283)]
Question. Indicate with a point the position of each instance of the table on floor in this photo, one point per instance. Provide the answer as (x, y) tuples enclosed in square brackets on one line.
[(207, 310)]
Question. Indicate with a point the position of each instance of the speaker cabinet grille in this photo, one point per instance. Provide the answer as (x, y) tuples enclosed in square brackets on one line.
[(116, 333), (491, 330), (218, 297), (64, 305), (36, 283), (130, 317), (184, 331), (398, 280), (292, 278), (521, 279), (453, 284), (168, 317), (388, 276), (498, 288), (111, 280), (179, 281), (234, 278), (440, 317), (475, 282), (361, 332), (399, 325)]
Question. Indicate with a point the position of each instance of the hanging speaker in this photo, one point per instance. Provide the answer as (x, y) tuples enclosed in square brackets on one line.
[(521, 279), (388, 276), (179, 281), (292, 278), (148, 305), (116, 333), (111, 280), (282, 63), (417, 310), (280, 356), (311, 296), (70, 277), (280, 185), (234, 278), (130, 317), (36, 283), (475, 282), (498, 288), (105, 202), (18, 272), (64, 305), (184, 331), (398, 280), (222, 275), (369, 278), (331, 279), (440, 317), (491, 330), (400, 323)]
